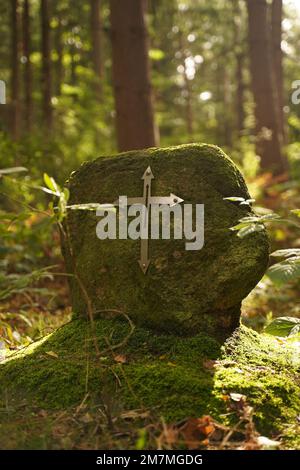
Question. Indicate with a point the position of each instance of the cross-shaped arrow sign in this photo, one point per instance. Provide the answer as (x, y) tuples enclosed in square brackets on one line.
[(147, 200)]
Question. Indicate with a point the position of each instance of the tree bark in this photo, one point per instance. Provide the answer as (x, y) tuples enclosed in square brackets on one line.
[(267, 132), (46, 64), (131, 75), (58, 44), (27, 67), (96, 39), (187, 89), (238, 20), (227, 123), (240, 92), (15, 70), (276, 20)]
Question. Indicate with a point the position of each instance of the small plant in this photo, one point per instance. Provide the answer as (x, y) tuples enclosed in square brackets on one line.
[(283, 326), (289, 268)]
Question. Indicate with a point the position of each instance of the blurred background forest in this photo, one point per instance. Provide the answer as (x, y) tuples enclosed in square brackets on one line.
[(89, 78)]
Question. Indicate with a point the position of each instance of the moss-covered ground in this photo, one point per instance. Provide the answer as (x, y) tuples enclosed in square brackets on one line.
[(59, 382)]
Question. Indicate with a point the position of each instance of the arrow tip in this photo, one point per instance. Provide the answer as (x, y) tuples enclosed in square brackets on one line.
[(175, 200), (148, 173), (144, 265)]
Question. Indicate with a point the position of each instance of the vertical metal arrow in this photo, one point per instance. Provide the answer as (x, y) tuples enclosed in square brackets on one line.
[(144, 260)]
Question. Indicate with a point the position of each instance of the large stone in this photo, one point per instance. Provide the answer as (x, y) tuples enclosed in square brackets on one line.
[(182, 291)]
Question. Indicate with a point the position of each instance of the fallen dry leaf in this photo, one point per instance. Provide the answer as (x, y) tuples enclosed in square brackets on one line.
[(52, 354), (120, 358), (237, 397), (209, 364), (196, 431), (266, 443), (135, 414)]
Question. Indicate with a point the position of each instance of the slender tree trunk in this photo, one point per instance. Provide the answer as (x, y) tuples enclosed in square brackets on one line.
[(267, 132), (73, 75), (59, 70), (187, 89), (15, 69), (131, 75), (96, 37), (276, 20), (27, 67), (239, 64), (227, 123), (189, 107), (46, 64), (240, 92)]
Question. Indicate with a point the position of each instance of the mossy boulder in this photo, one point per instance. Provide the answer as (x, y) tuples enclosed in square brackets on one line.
[(183, 291), (170, 375)]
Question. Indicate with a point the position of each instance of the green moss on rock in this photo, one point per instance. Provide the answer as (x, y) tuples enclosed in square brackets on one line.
[(162, 372), (183, 291)]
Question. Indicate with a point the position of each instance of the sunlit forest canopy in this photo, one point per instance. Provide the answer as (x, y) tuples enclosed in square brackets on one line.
[(200, 76)]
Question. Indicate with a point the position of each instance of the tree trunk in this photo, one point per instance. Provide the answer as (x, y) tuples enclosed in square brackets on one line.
[(227, 123), (189, 107), (276, 18), (73, 75), (131, 75), (59, 70), (15, 70), (46, 64), (267, 132), (187, 90), (27, 67), (240, 92), (238, 20), (96, 37)]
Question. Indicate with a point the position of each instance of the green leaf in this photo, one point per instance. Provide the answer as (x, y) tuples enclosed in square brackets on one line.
[(16, 169), (66, 194), (243, 232), (48, 191), (285, 271), (91, 207), (295, 252), (234, 199), (283, 326), (296, 212), (241, 200), (247, 202), (51, 183), (266, 217), (247, 224)]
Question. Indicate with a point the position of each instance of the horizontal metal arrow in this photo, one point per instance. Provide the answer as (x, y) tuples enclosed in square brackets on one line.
[(171, 200)]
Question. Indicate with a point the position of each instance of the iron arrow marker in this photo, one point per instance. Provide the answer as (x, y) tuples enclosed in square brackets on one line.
[(147, 200)]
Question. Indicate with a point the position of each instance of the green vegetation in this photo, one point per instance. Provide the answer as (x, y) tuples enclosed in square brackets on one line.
[(174, 377)]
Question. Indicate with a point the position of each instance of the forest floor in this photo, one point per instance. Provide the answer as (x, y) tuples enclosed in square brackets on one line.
[(29, 315), (98, 425)]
